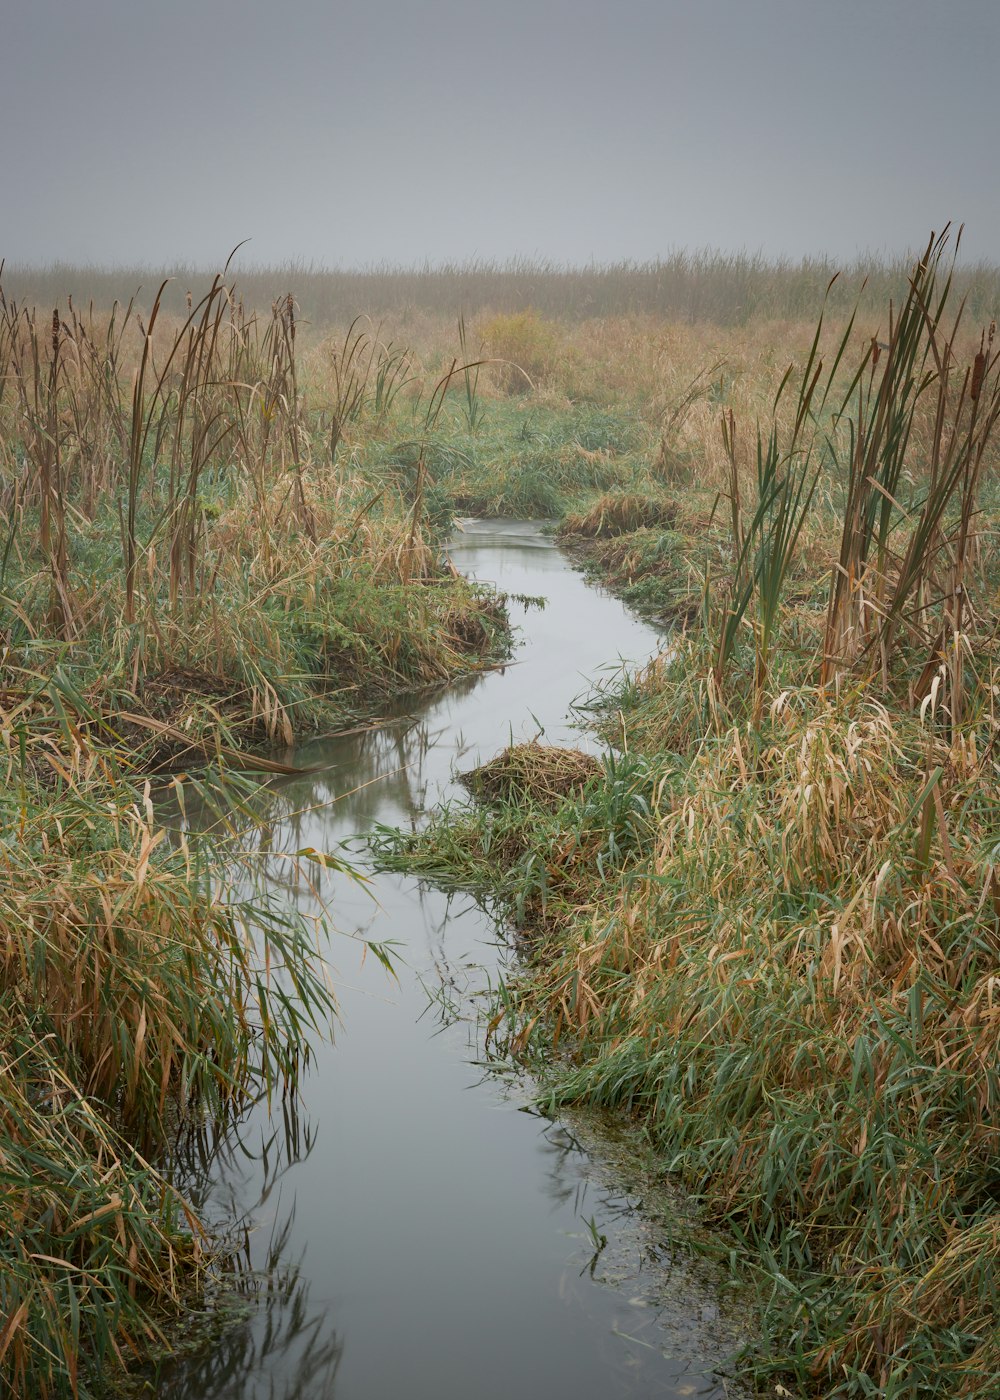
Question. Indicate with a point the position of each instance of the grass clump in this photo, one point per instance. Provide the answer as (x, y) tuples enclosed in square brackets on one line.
[(619, 513), (532, 773), (524, 350)]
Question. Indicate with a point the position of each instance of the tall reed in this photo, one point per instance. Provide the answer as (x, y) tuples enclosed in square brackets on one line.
[(916, 427), (706, 285), (787, 471)]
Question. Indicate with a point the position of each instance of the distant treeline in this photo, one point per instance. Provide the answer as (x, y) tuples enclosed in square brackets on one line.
[(724, 288)]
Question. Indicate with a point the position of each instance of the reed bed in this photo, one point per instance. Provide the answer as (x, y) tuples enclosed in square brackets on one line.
[(173, 505), (707, 285)]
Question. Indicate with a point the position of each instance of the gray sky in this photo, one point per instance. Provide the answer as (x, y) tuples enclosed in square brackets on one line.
[(347, 133)]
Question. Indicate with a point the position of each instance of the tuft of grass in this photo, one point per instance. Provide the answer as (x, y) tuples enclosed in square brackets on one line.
[(533, 773), (524, 350), (619, 513)]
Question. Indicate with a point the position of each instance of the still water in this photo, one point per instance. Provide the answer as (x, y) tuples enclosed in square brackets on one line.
[(415, 1231)]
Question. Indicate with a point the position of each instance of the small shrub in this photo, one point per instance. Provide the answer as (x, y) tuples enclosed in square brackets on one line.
[(526, 347)]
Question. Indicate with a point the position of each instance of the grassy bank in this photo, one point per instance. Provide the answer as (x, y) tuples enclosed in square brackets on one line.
[(767, 926), (194, 562), (181, 532), (143, 994)]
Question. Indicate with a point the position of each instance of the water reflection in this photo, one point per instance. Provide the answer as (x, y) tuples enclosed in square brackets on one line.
[(444, 1242), (285, 1351)]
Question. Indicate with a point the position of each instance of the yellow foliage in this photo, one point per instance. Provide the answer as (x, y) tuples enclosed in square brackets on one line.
[(526, 349)]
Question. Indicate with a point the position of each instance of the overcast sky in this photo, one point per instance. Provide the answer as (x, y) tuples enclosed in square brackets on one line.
[(345, 132)]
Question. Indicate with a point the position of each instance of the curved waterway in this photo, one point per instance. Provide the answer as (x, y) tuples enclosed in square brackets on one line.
[(415, 1230)]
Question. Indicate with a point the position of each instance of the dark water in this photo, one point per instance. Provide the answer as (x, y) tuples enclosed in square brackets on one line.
[(415, 1231)]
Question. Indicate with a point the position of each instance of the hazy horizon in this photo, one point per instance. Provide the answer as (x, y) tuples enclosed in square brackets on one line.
[(859, 260), (347, 136)]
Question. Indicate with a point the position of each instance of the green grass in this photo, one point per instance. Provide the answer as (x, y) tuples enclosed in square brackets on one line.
[(527, 460), (769, 932)]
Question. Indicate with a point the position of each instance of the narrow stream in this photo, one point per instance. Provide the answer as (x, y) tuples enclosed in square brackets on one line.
[(414, 1231)]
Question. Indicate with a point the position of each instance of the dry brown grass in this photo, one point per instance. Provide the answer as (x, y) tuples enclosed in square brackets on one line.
[(619, 513), (771, 931), (534, 772), (139, 995)]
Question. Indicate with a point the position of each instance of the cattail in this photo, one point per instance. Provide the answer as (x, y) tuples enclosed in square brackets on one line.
[(55, 334), (876, 351), (189, 301), (290, 313), (978, 374)]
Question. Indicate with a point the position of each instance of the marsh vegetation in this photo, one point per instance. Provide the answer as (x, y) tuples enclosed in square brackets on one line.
[(765, 925), (767, 929)]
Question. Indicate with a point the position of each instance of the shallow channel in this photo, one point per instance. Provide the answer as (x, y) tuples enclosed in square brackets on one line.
[(415, 1231)]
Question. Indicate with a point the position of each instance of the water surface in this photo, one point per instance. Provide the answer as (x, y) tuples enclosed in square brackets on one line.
[(415, 1231)]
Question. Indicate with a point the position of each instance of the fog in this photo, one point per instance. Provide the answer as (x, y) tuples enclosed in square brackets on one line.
[(348, 133)]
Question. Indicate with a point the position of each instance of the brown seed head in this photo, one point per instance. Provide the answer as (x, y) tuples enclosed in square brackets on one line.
[(978, 374), (55, 333)]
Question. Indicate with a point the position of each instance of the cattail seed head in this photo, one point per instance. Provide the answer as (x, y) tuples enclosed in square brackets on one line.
[(55, 333), (978, 374)]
